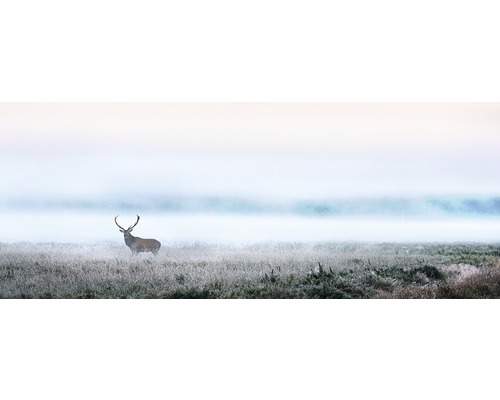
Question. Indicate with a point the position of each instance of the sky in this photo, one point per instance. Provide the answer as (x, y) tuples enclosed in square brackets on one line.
[(275, 150), (250, 127)]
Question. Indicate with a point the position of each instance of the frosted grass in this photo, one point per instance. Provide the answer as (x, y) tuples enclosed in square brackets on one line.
[(266, 270)]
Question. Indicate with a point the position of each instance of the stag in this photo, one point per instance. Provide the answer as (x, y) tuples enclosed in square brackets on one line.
[(137, 244)]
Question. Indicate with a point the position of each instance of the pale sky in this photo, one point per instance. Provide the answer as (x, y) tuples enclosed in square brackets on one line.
[(295, 149), (258, 127)]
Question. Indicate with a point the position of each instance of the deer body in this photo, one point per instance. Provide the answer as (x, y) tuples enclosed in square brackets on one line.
[(137, 244)]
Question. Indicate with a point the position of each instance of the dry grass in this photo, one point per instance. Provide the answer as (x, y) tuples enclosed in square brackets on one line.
[(482, 284), (285, 270)]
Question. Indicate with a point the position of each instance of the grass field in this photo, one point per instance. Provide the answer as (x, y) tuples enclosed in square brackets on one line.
[(269, 270)]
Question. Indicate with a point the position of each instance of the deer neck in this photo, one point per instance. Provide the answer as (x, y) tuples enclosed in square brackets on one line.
[(129, 240)]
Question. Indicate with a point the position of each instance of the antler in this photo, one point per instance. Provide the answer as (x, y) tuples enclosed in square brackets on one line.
[(133, 226), (118, 225)]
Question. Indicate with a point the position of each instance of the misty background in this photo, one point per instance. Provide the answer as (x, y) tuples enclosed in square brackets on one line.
[(250, 172)]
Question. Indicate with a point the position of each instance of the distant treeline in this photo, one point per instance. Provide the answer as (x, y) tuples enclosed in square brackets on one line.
[(432, 206)]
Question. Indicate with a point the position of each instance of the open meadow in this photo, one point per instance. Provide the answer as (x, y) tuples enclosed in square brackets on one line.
[(266, 270)]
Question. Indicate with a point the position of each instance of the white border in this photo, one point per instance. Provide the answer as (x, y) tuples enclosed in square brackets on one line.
[(264, 50)]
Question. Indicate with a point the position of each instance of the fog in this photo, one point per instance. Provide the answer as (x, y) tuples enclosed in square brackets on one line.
[(109, 176), (178, 228), (244, 172)]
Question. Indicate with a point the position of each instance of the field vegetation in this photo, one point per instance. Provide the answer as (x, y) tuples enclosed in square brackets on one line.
[(268, 270)]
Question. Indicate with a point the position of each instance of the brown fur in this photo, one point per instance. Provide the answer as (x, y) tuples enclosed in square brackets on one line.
[(138, 245)]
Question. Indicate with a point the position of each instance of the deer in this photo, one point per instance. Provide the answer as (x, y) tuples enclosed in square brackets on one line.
[(137, 244)]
